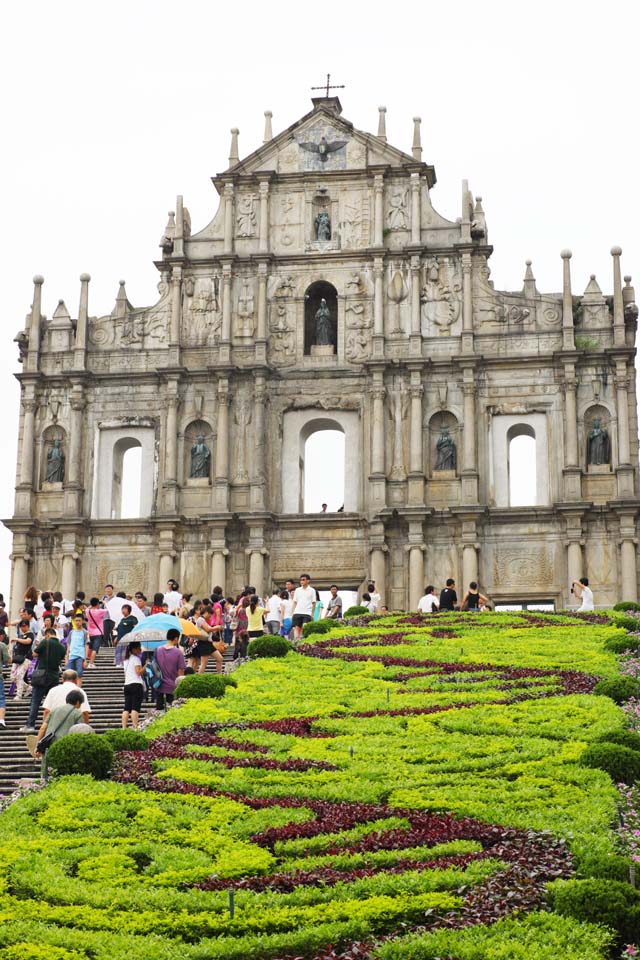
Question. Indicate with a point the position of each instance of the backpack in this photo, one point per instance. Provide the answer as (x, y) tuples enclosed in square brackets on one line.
[(153, 673)]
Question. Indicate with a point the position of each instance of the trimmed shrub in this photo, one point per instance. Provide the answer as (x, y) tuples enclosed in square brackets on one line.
[(269, 646), (622, 764), (624, 738), (630, 624), (606, 868), (202, 686), (355, 611), (625, 605), (618, 689), (608, 902), (318, 626), (126, 739), (621, 644), (81, 753)]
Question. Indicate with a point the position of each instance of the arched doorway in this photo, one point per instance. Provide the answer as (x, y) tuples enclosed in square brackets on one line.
[(522, 466), (316, 293), (126, 491), (322, 468)]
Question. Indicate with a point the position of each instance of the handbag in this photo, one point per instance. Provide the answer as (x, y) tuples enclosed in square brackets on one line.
[(45, 742), (39, 677)]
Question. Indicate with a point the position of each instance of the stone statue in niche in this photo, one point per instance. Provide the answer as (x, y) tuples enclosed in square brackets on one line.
[(200, 459), (323, 226), (201, 310), (246, 216), (282, 341), (243, 419), (398, 219), (398, 406), (598, 445), (440, 296), (245, 311), (55, 463), (323, 325), (445, 451)]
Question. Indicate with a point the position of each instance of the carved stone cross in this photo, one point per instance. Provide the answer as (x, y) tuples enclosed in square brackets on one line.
[(329, 86)]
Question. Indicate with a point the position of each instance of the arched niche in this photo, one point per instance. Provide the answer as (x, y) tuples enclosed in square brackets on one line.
[(196, 429), (54, 436), (113, 441), (318, 291), (597, 418), (521, 463), (298, 426), (504, 429), (443, 422), (331, 488)]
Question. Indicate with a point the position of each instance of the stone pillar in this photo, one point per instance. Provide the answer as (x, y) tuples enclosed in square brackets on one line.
[(69, 567), (80, 347), (33, 351), (629, 570), (28, 430), (568, 342), (219, 568), (415, 208), (416, 464), (171, 436), (378, 307), (178, 237), (263, 241), (416, 574), (618, 305), (176, 305), (256, 570), (258, 482), (470, 475), (75, 473), (574, 561), (416, 331), (19, 581), (228, 218), (622, 384), (467, 305), (261, 331), (378, 466), (165, 568), (378, 570), (571, 472), (469, 565), (378, 217), (222, 446), (226, 302)]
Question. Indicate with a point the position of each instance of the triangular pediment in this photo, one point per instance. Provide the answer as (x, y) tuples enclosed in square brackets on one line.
[(320, 141)]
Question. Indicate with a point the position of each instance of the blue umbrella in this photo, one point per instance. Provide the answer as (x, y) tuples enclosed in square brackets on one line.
[(150, 632), (158, 621)]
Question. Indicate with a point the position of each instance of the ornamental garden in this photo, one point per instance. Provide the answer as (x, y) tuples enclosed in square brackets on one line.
[(452, 787)]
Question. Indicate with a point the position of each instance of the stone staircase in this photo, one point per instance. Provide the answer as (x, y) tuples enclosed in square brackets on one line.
[(103, 687)]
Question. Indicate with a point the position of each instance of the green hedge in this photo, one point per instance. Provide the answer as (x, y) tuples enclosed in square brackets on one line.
[(126, 739), (625, 605), (81, 753), (318, 626), (619, 689), (622, 764), (202, 685), (356, 611), (622, 644), (269, 646), (607, 902), (625, 738)]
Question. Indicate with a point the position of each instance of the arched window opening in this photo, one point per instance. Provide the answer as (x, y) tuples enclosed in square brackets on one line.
[(127, 479), (320, 318), (322, 470), (522, 466)]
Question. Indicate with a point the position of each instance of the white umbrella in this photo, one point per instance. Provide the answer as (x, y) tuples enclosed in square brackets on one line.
[(114, 606)]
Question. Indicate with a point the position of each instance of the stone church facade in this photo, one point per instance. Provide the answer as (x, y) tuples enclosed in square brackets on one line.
[(328, 293)]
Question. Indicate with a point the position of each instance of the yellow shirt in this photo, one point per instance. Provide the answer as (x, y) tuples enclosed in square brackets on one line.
[(255, 621)]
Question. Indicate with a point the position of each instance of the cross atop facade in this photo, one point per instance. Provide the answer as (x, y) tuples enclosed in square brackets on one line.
[(329, 85)]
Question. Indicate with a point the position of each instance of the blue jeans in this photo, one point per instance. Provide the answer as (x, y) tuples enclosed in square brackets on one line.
[(3, 699), (76, 663)]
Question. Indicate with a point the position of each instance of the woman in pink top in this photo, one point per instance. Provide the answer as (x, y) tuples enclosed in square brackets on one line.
[(95, 625)]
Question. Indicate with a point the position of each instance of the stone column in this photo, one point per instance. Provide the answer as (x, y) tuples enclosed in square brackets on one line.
[(571, 472), (263, 241), (378, 217), (228, 218), (467, 305), (33, 351), (378, 307), (470, 475), (416, 331), (165, 568), (75, 474), (416, 464), (171, 436), (176, 305), (258, 482), (378, 570), (28, 430), (618, 304), (622, 385), (628, 562), (69, 567), (568, 342), (256, 570), (80, 348), (219, 568), (415, 208), (469, 565), (416, 574), (377, 427), (574, 561), (222, 446), (226, 303), (19, 580)]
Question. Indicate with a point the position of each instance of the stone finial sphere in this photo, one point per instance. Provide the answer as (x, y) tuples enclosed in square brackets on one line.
[(234, 130), (528, 263), (85, 277), (382, 109), (38, 279), (616, 251), (566, 254), (417, 119), (627, 278)]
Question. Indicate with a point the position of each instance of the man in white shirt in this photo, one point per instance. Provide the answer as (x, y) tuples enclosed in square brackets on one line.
[(57, 696), (173, 597), (429, 602), (304, 598), (583, 592), (272, 620), (374, 595)]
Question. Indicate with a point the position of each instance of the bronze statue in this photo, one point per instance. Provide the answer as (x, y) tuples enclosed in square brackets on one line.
[(200, 459), (55, 463), (446, 450), (598, 445), (323, 226), (323, 325)]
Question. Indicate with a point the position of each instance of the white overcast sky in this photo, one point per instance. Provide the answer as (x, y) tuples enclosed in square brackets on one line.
[(111, 109)]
